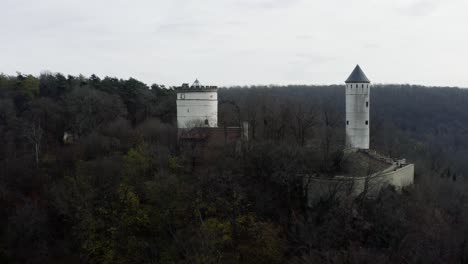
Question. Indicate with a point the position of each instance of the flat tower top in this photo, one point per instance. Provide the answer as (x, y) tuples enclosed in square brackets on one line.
[(357, 76)]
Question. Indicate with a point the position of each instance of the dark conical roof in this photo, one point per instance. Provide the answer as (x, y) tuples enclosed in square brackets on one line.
[(357, 76), (196, 83)]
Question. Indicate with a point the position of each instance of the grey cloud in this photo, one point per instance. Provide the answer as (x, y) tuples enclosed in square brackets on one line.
[(235, 23), (305, 37), (372, 46), (314, 57), (419, 8), (184, 27), (269, 4)]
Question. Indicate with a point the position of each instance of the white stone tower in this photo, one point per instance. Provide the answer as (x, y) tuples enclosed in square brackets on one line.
[(357, 110), (197, 106)]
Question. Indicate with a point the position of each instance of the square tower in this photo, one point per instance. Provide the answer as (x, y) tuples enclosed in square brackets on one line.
[(197, 106)]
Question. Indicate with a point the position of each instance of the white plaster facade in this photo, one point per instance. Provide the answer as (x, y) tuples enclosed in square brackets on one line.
[(357, 115), (197, 107)]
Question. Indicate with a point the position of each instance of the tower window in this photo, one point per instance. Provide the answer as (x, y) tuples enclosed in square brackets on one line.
[(206, 121), (367, 122), (182, 96), (367, 104), (362, 85), (347, 122)]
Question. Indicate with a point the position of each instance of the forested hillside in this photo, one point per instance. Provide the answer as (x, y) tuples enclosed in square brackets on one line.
[(91, 172)]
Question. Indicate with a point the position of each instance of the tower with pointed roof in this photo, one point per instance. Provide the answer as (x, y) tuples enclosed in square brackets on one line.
[(197, 105), (357, 110)]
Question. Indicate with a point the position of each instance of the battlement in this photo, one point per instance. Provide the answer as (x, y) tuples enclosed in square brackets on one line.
[(196, 87), (186, 88)]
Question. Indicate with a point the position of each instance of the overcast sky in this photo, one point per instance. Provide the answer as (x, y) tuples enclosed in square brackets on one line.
[(239, 42)]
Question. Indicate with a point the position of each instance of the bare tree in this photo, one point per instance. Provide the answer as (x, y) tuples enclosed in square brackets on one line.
[(303, 120), (33, 134)]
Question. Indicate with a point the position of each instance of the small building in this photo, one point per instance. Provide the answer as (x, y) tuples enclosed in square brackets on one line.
[(69, 138), (205, 144)]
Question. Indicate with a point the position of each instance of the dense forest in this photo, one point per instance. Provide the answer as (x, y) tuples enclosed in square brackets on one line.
[(91, 172)]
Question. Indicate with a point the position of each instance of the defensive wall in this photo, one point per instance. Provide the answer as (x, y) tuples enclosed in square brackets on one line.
[(398, 175)]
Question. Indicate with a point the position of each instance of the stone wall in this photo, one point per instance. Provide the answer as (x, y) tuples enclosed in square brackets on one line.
[(398, 176)]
